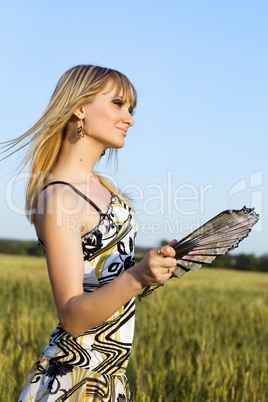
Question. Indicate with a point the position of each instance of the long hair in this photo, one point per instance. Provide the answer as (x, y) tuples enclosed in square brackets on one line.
[(76, 87)]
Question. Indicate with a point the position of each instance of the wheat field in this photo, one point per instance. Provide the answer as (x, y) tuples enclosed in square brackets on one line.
[(201, 338)]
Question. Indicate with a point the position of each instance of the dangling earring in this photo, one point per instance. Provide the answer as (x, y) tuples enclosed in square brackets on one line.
[(80, 129)]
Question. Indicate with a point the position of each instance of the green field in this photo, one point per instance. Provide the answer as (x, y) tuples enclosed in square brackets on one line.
[(201, 338)]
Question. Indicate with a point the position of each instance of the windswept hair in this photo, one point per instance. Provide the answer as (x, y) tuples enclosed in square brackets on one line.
[(76, 87)]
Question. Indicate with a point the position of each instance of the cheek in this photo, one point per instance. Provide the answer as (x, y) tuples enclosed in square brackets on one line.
[(101, 119), (94, 122)]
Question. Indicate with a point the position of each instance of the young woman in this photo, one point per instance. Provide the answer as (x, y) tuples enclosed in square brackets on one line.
[(87, 230)]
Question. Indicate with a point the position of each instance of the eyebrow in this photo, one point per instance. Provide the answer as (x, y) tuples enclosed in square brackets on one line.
[(121, 97), (112, 96)]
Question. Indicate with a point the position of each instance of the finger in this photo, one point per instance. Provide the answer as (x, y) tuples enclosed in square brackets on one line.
[(172, 243), (168, 272), (159, 251), (168, 262), (168, 251), (165, 274)]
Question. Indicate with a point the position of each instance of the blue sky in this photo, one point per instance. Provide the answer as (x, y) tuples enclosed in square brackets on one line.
[(199, 144)]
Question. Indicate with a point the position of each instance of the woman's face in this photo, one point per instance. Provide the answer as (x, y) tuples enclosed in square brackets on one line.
[(107, 118)]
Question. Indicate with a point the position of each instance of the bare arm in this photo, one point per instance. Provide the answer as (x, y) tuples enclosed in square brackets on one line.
[(79, 311)]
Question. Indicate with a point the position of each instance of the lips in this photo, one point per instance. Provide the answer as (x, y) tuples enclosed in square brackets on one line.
[(122, 129)]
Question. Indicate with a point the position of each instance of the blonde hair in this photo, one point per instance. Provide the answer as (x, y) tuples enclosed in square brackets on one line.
[(76, 87)]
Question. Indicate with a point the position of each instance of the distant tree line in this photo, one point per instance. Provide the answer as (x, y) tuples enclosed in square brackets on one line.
[(243, 262), (21, 247)]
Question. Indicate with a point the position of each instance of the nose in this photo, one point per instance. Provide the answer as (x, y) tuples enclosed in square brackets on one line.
[(128, 119)]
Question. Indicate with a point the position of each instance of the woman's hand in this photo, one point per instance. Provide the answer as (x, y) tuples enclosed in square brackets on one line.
[(156, 267)]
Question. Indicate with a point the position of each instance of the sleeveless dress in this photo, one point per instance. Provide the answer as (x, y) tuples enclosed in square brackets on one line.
[(91, 367)]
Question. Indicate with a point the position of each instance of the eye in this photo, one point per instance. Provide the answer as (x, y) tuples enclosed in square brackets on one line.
[(118, 102)]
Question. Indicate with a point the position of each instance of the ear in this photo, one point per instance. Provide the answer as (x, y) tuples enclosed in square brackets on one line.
[(80, 113)]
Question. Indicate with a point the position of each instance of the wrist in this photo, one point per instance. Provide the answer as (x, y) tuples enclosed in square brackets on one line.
[(134, 280)]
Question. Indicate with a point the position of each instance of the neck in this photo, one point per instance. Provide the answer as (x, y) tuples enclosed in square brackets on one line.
[(77, 158)]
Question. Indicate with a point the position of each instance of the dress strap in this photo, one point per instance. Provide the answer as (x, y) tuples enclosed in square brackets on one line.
[(77, 191)]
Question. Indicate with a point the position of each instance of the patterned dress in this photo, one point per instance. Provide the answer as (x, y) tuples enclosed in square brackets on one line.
[(91, 367)]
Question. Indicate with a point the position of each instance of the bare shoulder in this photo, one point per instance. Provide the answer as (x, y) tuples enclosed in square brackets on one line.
[(55, 205), (57, 196), (60, 206)]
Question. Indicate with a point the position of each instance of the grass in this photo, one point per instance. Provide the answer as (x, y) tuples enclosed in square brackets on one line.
[(201, 338)]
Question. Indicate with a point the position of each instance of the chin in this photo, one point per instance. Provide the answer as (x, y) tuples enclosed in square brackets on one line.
[(118, 146)]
